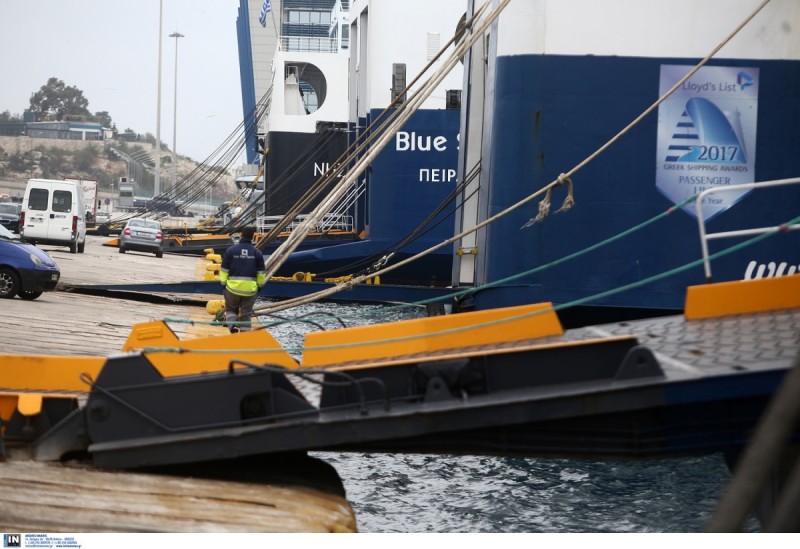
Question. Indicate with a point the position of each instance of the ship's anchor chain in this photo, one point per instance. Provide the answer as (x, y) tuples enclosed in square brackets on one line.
[(544, 205)]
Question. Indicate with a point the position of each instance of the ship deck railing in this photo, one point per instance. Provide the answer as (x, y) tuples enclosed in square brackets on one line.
[(705, 237), (329, 222), (313, 44)]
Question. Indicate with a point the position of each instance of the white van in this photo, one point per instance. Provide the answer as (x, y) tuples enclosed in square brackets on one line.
[(53, 212)]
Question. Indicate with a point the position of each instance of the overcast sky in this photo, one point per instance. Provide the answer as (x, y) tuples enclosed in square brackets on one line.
[(109, 50)]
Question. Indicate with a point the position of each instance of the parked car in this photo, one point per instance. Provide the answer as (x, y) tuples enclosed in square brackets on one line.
[(25, 270), (9, 215), (143, 235)]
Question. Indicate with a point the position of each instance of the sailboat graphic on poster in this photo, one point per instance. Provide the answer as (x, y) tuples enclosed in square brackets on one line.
[(707, 134)]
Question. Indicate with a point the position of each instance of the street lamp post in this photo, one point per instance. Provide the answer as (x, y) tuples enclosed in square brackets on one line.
[(175, 35), (157, 179)]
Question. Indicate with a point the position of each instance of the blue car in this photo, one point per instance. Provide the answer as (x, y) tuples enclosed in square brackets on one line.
[(25, 270)]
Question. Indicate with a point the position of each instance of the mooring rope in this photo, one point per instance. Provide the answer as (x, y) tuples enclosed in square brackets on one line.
[(467, 291), (580, 301)]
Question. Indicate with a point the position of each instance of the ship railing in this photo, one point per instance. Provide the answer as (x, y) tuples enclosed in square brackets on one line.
[(329, 222), (315, 44), (348, 200), (336, 222), (265, 223), (706, 237)]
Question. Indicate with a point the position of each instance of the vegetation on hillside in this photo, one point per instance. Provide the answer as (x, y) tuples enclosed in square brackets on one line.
[(52, 162), (104, 161), (8, 118), (56, 101)]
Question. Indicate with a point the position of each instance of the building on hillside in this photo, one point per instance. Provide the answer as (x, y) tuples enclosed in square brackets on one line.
[(12, 129), (83, 131), (74, 130)]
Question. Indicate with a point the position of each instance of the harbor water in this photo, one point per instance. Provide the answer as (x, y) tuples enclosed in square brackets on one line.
[(416, 493), (442, 493)]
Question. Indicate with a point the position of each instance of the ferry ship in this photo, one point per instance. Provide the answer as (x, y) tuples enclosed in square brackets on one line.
[(513, 382), (326, 97), (555, 81)]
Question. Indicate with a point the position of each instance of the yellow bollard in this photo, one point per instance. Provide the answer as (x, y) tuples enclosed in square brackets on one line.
[(214, 306), (300, 276)]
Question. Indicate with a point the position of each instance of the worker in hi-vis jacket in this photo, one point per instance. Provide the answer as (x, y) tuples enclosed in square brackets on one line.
[(242, 273)]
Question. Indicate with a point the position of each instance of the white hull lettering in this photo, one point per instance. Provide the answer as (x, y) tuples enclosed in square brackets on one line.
[(405, 141), (437, 175), (321, 169), (771, 269)]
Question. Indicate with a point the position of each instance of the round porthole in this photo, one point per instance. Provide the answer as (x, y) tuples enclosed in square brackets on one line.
[(311, 84)]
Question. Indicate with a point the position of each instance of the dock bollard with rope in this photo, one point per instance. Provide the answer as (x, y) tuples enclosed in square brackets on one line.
[(215, 307), (214, 264)]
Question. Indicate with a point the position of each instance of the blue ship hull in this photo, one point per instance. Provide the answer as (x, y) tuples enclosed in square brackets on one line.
[(574, 104), (406, 184)]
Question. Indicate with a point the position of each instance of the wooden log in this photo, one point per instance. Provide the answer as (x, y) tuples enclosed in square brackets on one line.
[(44, 497)]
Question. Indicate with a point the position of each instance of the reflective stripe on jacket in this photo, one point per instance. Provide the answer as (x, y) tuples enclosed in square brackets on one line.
[(242, 270)]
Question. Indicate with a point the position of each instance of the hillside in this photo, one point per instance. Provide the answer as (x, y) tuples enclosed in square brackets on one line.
[(22, 158)]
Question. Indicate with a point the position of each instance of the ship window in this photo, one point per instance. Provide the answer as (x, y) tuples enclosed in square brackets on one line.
[(398, 81), (305, 17), (312, 86), (434, 44), (453, 100)]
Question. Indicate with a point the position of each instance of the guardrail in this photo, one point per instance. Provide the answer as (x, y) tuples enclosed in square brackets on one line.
[(705, 237), (329, 222), (308, 44)]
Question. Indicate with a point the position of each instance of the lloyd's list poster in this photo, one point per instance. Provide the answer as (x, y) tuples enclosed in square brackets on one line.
[(707, 134)]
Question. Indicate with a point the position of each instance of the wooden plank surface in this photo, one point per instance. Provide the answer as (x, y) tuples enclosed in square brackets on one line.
[(62, 323), (55, 497), (43, 497)]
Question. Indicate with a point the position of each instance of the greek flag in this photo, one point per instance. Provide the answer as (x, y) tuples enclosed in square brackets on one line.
[(265, 9)]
